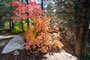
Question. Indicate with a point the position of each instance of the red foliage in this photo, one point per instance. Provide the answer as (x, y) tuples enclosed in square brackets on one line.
[(15, 3), (33, 9)]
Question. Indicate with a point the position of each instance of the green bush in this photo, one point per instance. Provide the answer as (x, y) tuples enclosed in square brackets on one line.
[(17, 27), (16, 30)]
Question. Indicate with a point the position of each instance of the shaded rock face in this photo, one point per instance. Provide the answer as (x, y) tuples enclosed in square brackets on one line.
[(69, 36), (16, 43)]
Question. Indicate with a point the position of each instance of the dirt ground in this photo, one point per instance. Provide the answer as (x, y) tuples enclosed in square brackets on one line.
[(33, 55), (65, 53)]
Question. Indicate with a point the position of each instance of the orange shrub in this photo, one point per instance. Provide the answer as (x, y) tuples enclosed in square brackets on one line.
[(39, 35)]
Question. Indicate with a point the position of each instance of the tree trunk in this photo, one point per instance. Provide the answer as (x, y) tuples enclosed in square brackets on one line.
[(22, 25), (27, 15), (27, 22), (82, 21), (84, 38), (11, 25), (89, 36), (42, 5), (79, 23)]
